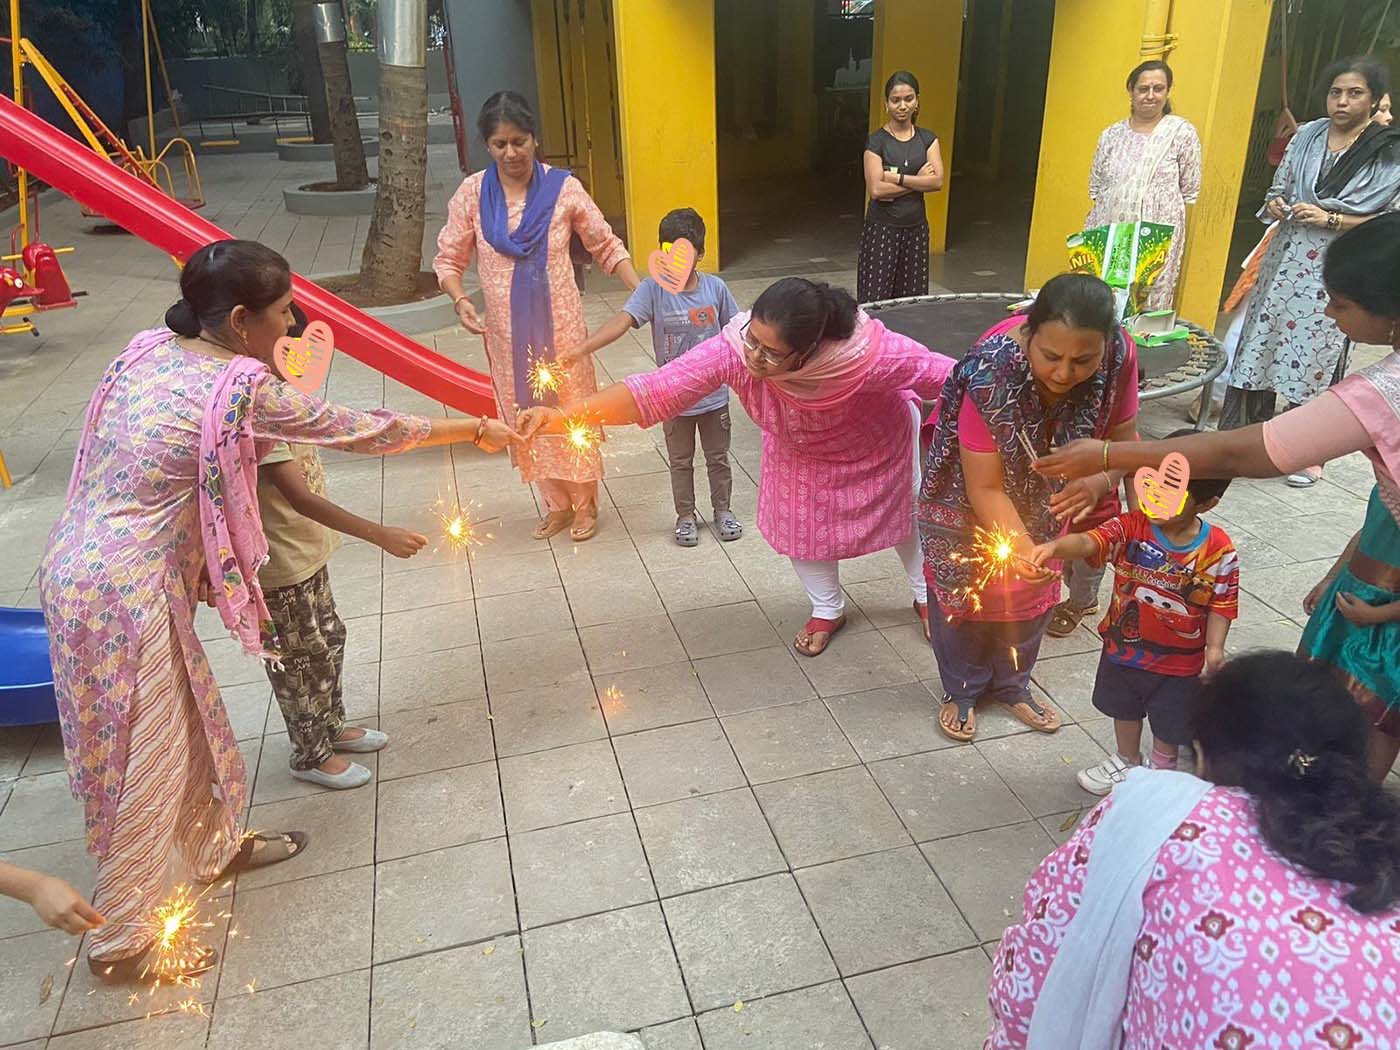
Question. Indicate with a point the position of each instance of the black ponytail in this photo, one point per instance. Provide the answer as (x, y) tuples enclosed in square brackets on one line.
[(1288, 733), (222, 275), (808, 313), (182, 320)]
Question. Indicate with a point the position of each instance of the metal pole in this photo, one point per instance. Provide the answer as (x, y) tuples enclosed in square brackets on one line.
[(146, 54), (17, 72), (403, 33)]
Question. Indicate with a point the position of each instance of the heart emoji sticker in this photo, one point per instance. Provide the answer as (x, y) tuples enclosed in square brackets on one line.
[(305, 361), (670, 266), (1161, 493)]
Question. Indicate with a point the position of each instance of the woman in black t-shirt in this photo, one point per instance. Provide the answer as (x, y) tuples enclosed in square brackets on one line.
[(902, 163)]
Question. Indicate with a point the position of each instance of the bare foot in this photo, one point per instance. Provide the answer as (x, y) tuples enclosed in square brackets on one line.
[(335, 765)]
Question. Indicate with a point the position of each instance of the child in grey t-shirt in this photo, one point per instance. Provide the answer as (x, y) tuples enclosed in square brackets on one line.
[(678, 323)]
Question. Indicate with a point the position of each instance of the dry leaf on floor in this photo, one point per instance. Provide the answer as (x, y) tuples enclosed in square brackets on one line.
[(540, 1023), (1071, 820), (46, 988), (738, 1005), (1067, 760), (488, 949)]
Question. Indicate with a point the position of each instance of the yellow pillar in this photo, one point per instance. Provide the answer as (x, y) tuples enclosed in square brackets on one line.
[(665, 52), (924, 37), (1219, 46)]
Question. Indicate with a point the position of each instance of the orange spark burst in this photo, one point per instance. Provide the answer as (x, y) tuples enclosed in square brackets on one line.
[(990, 557), (543, 377), (583, 438)]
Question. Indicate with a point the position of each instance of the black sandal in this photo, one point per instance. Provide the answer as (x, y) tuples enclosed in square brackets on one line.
[(1066, 618), (250, 858)]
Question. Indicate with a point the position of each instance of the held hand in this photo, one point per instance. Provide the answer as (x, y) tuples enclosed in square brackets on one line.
[(1076, 499), (568, 358), (1362, 613), (496, 436), (401, 543), (1041, 553), (1030, 571), (1277, 208), (467, 315), (540, 419), (927, 169), (205, 592), (1214, 658), (1079, 459), (63, 907), (1309, 215)]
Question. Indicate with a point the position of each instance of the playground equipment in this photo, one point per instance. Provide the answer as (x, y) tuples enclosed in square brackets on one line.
[(26, 676)]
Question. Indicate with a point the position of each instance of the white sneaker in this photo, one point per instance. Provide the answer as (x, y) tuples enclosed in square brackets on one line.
[(353, 776), (1104, 777)]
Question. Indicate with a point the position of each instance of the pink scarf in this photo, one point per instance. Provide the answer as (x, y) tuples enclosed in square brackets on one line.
[(831, 375), (1373, 395)]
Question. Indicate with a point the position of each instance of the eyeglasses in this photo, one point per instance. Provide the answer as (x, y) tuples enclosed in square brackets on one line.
[(767, 354)]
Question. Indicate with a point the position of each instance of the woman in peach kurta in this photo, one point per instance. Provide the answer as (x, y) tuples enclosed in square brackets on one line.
[(567, 478)]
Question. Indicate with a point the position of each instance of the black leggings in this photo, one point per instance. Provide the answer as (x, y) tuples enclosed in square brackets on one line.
[(893, 261)]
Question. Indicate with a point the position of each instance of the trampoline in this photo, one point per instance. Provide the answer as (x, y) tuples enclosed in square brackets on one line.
[(951, 323)]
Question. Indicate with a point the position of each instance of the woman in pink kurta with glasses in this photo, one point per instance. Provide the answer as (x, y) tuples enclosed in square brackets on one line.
[(836, 395), (516, 219)]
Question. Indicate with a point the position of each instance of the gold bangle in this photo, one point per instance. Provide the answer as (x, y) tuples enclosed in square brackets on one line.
[(1105, 456), (480, 429)]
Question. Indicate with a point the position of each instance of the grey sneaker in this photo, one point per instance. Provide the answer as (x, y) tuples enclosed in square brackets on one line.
[(727, 525), (687, 530)]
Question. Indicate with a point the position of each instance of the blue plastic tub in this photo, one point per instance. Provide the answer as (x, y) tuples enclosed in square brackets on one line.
[(26, 676)]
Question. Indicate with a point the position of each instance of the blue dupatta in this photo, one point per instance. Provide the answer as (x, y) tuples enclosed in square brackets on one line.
[(531, 307)]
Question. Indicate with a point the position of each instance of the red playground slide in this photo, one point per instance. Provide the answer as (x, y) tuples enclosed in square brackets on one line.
[(102, 187)]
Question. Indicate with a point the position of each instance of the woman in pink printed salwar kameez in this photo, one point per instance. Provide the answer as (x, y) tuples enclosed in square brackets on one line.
[(163, 501), (516, 219), (1256, 908), (836, 395)]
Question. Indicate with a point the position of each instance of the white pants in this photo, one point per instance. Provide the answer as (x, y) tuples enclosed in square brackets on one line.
[(822, 579)]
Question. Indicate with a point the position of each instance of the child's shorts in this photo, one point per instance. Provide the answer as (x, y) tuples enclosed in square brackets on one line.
[(1131, 694)]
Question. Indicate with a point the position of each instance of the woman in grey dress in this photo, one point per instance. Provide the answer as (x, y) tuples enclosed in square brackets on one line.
[(1337, 173)]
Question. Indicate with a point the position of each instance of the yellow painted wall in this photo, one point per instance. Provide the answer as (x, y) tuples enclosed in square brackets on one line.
[(601, 84), (924, 37), (1217, 76), (1095, 44), (666, 95), (793, 51)]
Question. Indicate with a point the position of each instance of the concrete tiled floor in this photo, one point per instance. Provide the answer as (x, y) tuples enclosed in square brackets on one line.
[(614, 798)]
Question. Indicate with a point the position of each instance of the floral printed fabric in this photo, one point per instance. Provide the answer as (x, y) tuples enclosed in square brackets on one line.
[(1239, 949)]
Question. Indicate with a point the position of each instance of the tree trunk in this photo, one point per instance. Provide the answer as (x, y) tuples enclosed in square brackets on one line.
[(304, 37), (393, 255), (350, 169)]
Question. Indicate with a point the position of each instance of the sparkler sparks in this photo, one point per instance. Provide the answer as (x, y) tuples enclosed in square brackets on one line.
[(178, 947), (543, 377), (990, 557), (582, 436), (459, 530)]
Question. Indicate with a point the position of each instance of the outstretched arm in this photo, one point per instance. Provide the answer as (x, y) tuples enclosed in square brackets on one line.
[(286, 475), (53, 900), (614, 405), (610, 331)]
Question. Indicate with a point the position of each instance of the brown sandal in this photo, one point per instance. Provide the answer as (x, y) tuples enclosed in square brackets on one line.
[(138, 967), (965, 728), (1066, 618), (277, 847), (814, 629), (553, 522), (586, 526), (1040, 717)]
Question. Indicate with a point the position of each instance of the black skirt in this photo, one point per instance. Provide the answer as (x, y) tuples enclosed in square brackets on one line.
[(893, 261)]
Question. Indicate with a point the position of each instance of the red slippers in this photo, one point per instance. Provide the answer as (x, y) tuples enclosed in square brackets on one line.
[(818, 633)]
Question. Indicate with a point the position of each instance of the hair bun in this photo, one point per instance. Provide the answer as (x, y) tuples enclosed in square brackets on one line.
[(182, 320)]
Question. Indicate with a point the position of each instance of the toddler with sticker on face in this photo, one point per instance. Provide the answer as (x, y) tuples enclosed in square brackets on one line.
[(679, 322), (1175, 592)]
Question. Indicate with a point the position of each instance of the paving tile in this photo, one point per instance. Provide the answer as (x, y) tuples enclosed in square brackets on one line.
[(433, 810), (509, 573), (555, 787), (810, 1017), (301, 930), (886, 602), (28, 962), (596, 601), (360, 685), (676, 1035), (1274, 634), (174, 1031), (745, 681), (463, 997), (409, 917), (358, 596), (1069, 682), (541, 662), (329, 1012), (947, 792), (69, 861), (662, 765), (521, 614), (775, 743), (631, 644), (357, 560), (248, 707), (340, 826), (854, 662), (540, 719), (230, 664), (435, 738), (828, 816), (986, 872), (888, 722), (1040, 767), (690, 589), (362, 639), (882, 909), (429, 630), (653, 696), (909, 642), (579, 869), (747, 940), (609, 972), (787, 612), (723, 629), (695, 843), (926, 1005), (419, 588), (41, 810), (429, 679), (15, 744)]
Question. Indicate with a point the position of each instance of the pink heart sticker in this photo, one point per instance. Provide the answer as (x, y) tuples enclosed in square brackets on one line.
[(1161, 493), (305, 362), (670, 266)]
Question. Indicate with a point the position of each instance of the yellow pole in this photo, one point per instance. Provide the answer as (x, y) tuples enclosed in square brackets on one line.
[(146, 54), (1157, 39), (17, 75)]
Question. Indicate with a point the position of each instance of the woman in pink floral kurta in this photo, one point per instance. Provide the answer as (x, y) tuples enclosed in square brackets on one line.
[(1269, 916), (150, 752), (568, 479), (1147, 168)]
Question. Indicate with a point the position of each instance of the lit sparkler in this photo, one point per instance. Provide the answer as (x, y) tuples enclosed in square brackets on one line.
[(543, 377), (459, 530), (178, 924), (582, 437), (990, 557)]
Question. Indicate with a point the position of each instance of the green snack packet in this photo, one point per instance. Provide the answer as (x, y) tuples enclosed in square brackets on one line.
[(1127, 256)]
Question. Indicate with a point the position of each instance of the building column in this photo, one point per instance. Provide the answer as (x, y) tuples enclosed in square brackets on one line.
[(1219, 45), (665, 53), (924, 37)]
